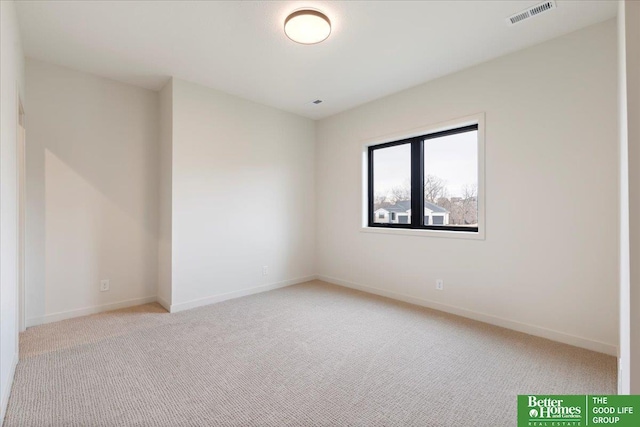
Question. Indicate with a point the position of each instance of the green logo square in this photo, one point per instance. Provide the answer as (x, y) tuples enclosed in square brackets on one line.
[(578, 411), (552, 411)]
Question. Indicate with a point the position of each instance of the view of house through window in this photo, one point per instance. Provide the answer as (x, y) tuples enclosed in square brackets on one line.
[(448, 183), (392, 184)]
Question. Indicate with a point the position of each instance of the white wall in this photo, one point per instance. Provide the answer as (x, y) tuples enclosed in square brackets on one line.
[(11, 83), (165, 184), (549, 263), (631, 13), (243, 196), (624, 372), (92, 193)]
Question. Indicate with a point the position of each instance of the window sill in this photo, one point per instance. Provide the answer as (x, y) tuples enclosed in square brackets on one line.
[(425, 233)]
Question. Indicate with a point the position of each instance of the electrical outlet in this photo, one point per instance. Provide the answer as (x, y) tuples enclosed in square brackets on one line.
[(104, 285), (265, 270), (440, 284)]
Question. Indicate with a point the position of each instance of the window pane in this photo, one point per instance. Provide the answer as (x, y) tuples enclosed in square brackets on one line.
[(451, 180), (392, 184)]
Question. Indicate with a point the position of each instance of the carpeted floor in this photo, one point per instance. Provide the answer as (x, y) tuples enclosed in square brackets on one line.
[(307, 355)]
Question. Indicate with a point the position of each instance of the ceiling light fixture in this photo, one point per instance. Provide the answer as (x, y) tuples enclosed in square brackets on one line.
[(307, 26)]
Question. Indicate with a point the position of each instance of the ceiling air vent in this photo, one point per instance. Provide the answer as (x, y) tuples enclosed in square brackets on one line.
[(531, 12)]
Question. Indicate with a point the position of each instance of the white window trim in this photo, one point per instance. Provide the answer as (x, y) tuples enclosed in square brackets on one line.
[(478, 119)]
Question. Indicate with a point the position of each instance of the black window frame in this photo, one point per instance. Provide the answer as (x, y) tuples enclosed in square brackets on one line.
[(417, 181)]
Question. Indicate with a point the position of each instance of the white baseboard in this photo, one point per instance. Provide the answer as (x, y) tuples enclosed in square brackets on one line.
[(63, 315), (164, 303), (6, 388), (538, 331), (237, 294)]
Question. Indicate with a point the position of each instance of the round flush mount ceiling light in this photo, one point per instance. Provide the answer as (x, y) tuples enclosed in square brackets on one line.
[(307, 26)]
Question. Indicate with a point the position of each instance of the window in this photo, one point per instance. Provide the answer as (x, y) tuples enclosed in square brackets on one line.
[(436, 173), (381, 215)]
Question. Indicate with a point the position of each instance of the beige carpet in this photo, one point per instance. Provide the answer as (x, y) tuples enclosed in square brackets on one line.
[(307, 355)]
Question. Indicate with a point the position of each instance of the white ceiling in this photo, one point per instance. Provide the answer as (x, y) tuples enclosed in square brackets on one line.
[(376, 48)]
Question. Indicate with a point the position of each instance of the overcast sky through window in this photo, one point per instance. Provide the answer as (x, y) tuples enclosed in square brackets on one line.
[(452, 158)]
